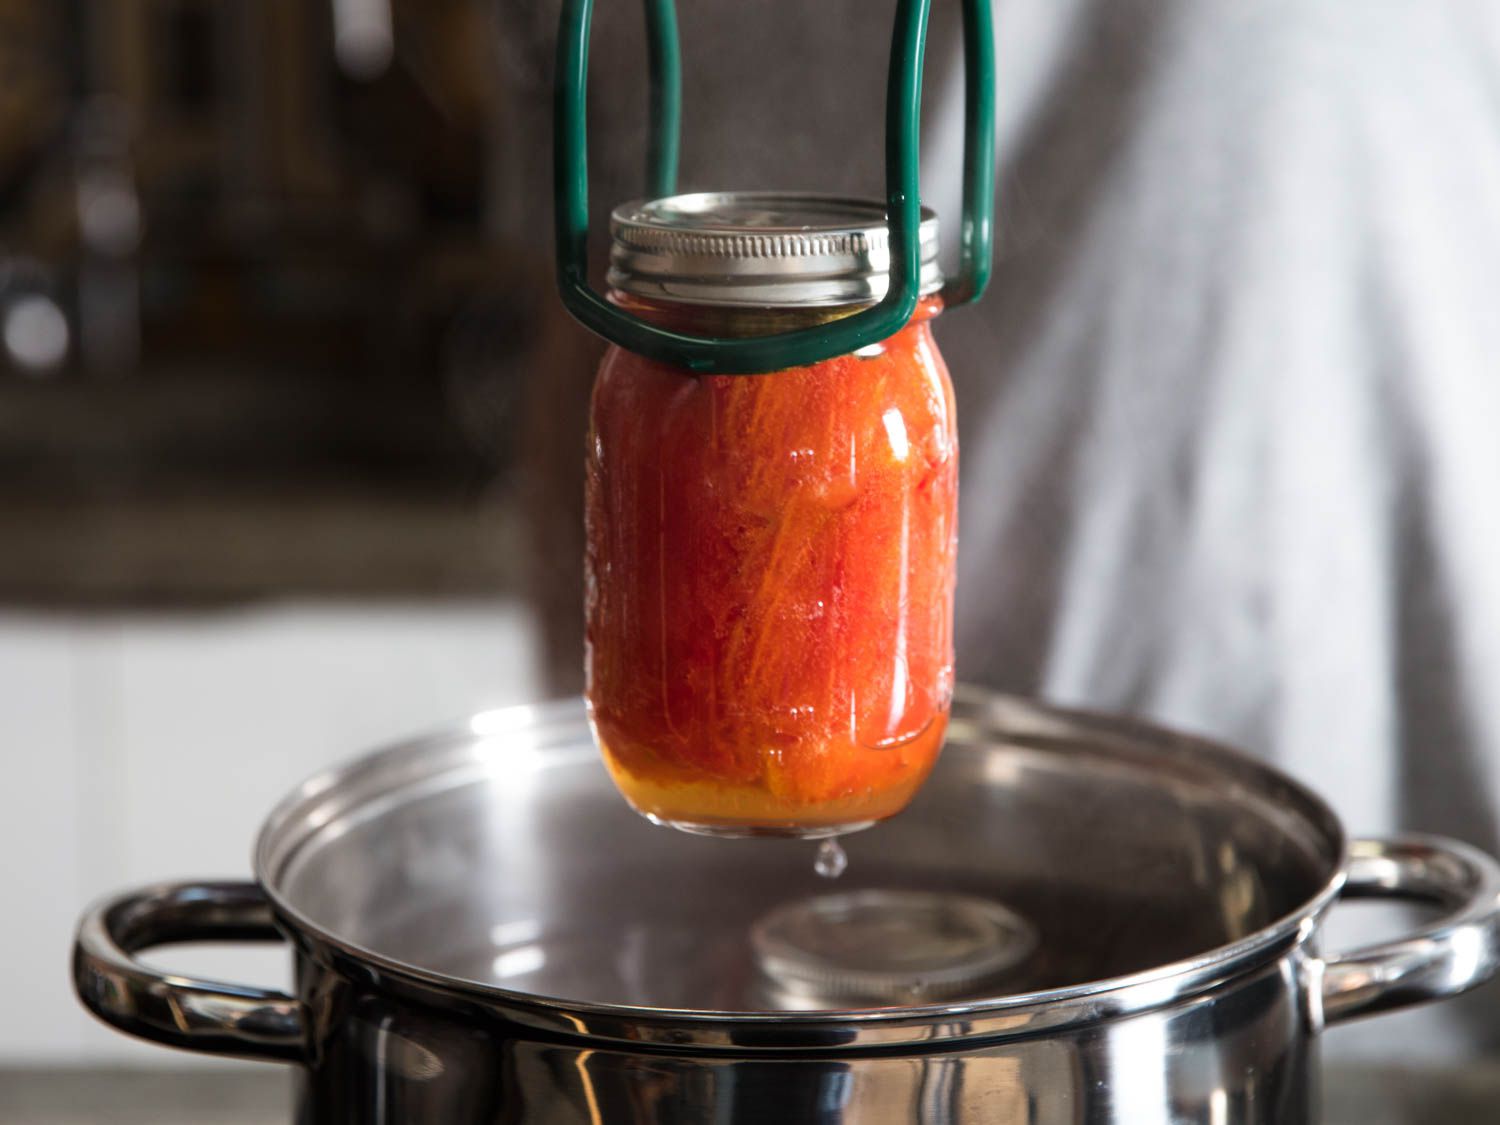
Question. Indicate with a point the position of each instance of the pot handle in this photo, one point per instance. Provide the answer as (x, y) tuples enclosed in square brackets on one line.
[(1454, 954), (204, 1016)]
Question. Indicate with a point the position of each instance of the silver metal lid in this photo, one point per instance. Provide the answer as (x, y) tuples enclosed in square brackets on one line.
[(754, 248)]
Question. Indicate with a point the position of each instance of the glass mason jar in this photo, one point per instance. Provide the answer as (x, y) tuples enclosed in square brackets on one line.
[(770, 558)]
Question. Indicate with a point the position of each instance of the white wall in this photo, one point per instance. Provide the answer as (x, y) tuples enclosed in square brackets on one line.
[(145, 746)]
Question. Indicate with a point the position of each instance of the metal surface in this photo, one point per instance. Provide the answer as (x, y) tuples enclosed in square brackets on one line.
[(760, 249), (724, 355), (484, 933), (1451, 956), (201, 1016)]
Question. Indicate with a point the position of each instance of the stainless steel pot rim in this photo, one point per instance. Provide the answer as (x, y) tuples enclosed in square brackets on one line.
[(1005, 1016)]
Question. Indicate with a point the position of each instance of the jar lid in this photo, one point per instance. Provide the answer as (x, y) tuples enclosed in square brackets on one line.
[(763, 249)]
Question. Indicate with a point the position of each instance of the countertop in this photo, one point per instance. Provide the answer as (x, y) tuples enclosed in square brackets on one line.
[(1364, 1095)]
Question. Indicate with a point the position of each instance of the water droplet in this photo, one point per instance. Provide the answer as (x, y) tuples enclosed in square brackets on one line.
[(831, 859)]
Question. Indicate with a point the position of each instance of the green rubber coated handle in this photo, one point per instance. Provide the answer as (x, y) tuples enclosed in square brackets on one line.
[(722, 355), (665, 61)]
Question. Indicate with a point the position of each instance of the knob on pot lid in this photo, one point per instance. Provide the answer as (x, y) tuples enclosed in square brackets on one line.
[(887, 947)]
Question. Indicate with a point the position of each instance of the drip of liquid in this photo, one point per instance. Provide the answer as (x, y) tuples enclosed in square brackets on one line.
[(831, 859)]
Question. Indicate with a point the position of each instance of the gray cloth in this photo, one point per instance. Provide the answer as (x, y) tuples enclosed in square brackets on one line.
[(1229, 409)]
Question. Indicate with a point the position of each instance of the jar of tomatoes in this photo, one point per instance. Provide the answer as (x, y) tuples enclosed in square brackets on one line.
[(770, 557)]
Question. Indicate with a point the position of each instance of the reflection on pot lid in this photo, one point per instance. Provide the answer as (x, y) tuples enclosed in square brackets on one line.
[(884, 947)]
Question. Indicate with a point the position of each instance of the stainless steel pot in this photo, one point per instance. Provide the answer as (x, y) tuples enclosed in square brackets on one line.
[(484, 933)]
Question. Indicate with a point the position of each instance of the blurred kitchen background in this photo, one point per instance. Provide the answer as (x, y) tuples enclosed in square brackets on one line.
[(260, 358)]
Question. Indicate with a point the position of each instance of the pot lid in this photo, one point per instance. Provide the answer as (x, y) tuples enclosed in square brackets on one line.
[(496, 863)]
